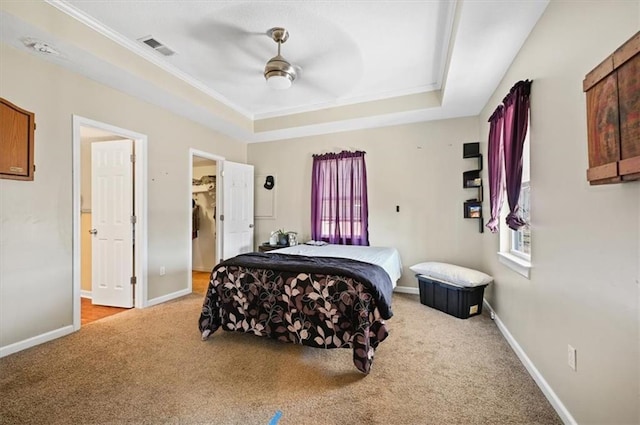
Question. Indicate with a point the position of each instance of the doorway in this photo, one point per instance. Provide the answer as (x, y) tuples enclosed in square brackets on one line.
[(89, 266), (232, 216), (204, 189)]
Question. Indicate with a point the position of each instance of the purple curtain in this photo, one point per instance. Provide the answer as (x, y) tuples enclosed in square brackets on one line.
[(496, 168), (516, 118), (339, 210)]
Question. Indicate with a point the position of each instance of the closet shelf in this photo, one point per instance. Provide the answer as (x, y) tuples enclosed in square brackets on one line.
[(203, 188)]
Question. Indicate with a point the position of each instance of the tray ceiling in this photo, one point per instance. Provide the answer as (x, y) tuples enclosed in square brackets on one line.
[(362, 63)]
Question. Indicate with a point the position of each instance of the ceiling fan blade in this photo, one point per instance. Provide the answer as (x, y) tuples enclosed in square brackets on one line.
[(217, 30), (334, 81), (250, 74), (228, 39), (315, 59), (316, 88)]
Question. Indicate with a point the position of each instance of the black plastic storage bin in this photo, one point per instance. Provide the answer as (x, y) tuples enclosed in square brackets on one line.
[(458, 301)]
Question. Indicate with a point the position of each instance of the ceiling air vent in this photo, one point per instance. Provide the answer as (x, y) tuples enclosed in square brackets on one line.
[(156, 45)]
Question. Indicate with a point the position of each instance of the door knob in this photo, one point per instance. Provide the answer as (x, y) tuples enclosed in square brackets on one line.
[(251, 226), (93, 231)]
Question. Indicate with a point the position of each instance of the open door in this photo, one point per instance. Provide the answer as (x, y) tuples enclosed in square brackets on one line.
[(112, 223), (237, 219)]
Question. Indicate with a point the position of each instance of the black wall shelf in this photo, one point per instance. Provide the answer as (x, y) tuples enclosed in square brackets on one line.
[(472, 180)]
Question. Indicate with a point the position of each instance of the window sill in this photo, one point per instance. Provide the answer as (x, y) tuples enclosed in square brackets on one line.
[(519, 265)]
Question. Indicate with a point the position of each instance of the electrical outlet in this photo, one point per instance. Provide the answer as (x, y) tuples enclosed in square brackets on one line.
[(571, 357), (162, 271)]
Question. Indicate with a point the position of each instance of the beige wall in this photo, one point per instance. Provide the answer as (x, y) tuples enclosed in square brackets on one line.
[(85, 174), (583, 289), (36, 224), (86, 278), (418, 167)]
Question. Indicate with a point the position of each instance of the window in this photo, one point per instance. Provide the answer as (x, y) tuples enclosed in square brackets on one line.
[(509, 174), (339, 199), (515, 245)]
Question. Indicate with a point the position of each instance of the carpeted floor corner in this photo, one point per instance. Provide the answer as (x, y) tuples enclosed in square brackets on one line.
[(151, 367)]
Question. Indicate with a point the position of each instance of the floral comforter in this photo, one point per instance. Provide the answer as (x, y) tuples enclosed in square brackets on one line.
[(318, 302)]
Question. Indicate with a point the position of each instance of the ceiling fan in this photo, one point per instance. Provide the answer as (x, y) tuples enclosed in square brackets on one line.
[(278, 72)]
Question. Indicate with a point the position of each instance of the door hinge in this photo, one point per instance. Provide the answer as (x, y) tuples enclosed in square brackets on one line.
[(222, 173), (34, 168), (34, 126), (133, 157), (134, 219), (134, 280), (221, 217)]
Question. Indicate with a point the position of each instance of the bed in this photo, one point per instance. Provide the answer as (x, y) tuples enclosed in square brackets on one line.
[(318, 300), (386, 257)]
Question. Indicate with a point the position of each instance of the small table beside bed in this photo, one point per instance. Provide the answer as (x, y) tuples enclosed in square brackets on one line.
[(332, 296)]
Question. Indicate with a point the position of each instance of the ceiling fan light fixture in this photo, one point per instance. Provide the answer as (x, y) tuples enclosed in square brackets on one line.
[(278, 72), (279, 80)]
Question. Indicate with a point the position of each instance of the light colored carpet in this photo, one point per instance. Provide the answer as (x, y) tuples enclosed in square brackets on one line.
[(149, 366)]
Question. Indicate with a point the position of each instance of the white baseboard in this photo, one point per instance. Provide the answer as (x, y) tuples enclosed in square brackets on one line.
[(546, 389), (85, 294), (407, 290), (36, 340), (168, 297)]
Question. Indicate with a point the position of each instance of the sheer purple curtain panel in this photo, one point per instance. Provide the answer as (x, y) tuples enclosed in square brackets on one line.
[(516, 120), (339, 208), (496, 168)]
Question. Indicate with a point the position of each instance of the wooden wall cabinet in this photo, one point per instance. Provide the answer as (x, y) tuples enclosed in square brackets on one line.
[(17, 128), (613, 116)]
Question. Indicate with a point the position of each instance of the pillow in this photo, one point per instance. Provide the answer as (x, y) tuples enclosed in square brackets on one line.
[(450, 273), (316, 243)]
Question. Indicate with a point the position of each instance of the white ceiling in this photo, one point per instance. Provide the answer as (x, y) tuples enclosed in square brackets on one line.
[(373, 54)]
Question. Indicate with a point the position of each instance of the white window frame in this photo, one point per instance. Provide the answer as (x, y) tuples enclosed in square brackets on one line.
[(515, 259)]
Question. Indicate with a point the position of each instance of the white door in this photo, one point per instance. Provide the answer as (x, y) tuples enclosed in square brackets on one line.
[(112, 234), (237, 198)]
